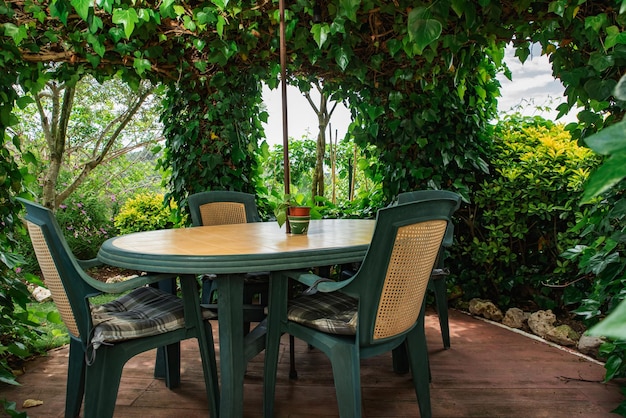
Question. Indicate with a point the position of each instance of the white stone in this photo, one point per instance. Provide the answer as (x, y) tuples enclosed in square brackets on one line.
[(514, 318), (486, 309), (41, 294), (541, 322), (589, 345), (563, 335)]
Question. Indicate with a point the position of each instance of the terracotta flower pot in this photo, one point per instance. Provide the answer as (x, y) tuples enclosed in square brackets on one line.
[(299, 211)]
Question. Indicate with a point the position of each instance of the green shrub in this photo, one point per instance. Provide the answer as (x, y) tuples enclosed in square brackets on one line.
[(521, 218), (16, 331), (146, 212), (86, 222)]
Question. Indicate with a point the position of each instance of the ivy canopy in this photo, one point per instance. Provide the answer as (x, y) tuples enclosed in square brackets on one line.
[(418, 76)]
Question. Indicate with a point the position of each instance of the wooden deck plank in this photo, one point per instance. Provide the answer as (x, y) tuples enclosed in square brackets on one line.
[(489, 372)]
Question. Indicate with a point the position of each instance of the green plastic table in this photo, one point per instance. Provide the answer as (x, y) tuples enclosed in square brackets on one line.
[(229, 251)]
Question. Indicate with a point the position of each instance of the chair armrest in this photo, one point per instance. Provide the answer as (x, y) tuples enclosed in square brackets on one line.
[(129, 284), (87, 264), (315, 282)]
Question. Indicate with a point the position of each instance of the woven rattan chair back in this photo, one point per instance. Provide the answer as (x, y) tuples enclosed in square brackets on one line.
[(414, 252), (223, 213), (52, 278), (219, 207)]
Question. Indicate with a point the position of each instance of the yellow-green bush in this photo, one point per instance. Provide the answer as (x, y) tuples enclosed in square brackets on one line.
[(521, 218), (145, 212)]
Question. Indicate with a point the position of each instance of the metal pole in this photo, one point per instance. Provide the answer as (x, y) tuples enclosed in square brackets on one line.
[(283, 76)]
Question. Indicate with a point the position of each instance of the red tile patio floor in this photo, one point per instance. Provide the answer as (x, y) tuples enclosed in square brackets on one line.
[(490, 371)]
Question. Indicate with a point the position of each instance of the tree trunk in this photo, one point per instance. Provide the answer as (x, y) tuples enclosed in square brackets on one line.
[(102, 146), (323, 118)]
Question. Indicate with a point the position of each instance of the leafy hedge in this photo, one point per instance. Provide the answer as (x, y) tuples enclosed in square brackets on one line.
[(146, 212), (522, 217)]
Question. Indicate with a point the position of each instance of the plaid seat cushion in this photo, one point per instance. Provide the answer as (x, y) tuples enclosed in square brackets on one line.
[(333, 313), (143, 312)]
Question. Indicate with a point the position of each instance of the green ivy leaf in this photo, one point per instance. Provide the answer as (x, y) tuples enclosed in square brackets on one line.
[(179, 10), (60, 9), (620, 89), (166, 9), (94, 60), (320, 33), (422, 29), (127, 18), (141, 65), (221, 22), (95, 43), (348, 8), (611, 172), (18, 34), (596, 22), (221, 4), (613, 325), (82, 7), (609, 140), (600, 61), (459, 6), (342, 58), (614, 36), (558, 7), (600, 90)]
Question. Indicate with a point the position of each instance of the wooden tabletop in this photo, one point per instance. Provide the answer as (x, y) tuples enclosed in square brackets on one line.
[(240, 248)]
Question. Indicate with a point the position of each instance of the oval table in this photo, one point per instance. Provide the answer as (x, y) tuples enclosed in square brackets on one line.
[(229, 251)]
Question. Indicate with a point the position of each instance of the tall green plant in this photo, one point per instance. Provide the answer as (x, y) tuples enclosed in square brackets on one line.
[(600, 253), (16, 330), (212, 129), (521, 217)]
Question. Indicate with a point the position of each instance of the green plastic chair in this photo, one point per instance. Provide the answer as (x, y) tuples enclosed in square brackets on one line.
[(223, 208), (104, 337), (375, 311), (438, 278)]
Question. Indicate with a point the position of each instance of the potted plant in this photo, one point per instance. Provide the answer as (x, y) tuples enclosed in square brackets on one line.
[(294, 206)]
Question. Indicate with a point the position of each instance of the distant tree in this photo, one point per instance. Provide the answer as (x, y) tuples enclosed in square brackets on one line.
[(74, 128), (323, 118)]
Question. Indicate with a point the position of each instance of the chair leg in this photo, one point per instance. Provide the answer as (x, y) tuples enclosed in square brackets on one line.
[(441, 299), (293, 373), (277, 310), (167, 364), (345, 361), (75, 379), (102, 381), (420, 367), (204, 335), (209, 368), (400, 359), (209, 287)]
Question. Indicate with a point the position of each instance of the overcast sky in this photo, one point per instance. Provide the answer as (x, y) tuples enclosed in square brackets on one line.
[(532, 86)]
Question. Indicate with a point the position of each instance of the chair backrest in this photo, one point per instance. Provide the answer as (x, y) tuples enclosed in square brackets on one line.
[(65, 279), (392, 280), (420, 195), (222, 207)]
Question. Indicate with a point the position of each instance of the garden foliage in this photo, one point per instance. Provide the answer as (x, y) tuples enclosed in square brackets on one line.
[(16, 330), (146, 212), (521, 217)]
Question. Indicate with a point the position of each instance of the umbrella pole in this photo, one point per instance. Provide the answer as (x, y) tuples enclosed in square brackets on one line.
[(283, 76)]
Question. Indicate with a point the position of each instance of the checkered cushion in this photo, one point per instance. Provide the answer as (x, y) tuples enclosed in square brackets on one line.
[(333, 313), (143, 312)]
